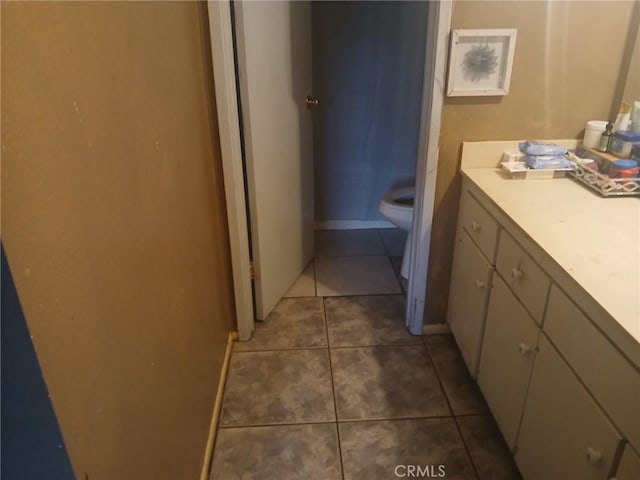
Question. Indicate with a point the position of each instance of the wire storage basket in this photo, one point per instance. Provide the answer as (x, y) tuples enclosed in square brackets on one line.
[(602, 183)]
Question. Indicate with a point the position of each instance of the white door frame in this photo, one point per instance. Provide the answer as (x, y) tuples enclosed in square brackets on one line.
[(224, 77), (439, 22), (433, 93)]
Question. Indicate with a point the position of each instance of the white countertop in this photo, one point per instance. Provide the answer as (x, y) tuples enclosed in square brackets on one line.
[(593, 239)]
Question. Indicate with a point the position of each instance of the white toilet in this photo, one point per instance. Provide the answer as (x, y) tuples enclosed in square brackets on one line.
[(397, 207)]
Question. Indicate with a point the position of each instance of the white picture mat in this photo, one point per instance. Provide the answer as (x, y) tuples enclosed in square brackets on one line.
[(481, 62)]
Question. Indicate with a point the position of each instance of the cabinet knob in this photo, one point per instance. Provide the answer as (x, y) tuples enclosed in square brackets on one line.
[(479, 284), (594, 456), (524, 349), (516, 273), (475, 226)]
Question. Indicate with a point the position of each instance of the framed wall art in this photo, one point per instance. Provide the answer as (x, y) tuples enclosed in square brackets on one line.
[(480, 62)]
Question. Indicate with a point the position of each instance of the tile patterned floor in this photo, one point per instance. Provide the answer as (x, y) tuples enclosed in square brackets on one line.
[(333, 387)]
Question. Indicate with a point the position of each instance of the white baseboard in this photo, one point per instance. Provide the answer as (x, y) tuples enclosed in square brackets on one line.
[(351, 224), (428, 329)]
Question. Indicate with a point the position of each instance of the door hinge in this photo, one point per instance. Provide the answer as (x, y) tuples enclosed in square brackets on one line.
[(253, 274)]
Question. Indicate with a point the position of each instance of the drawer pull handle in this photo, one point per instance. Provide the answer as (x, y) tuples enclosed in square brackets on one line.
[(516, 273), (594, 456), (475, 226), (524, 349), (479, 284)]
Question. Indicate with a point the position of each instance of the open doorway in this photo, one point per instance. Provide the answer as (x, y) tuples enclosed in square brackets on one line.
[(224, 72)]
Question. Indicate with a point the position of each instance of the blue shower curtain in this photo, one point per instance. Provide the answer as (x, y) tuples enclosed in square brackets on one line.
[(368, 72)]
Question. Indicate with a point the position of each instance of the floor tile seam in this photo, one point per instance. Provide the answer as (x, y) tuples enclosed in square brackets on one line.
[(349, 255), (383, 242), (365, 295), (393, 419), (301, 297), (285, 424), (286, 349), (455, 421), (438, 371), (333, 390), (347, 347), (397, 277)]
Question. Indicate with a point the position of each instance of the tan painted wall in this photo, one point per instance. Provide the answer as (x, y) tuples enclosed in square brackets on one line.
[(114, 226), (566, 71)]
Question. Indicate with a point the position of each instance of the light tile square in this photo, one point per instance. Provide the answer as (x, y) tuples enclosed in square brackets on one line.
[(394, 241), (339, 243), (305, 284), (277, 452), (384, 449), (293, 323), (367, 320), (488, 450), (287, 386), (366, 275), (374, 383)]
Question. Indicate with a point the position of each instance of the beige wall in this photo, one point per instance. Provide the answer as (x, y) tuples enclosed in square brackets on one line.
[(566, 71), (114, 226)]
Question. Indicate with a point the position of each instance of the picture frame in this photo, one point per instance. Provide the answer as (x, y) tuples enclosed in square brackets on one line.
[(480, 62)]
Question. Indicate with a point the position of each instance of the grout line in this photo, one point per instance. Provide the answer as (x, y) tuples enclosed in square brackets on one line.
[(288, 424), (333, 390), (347, 347), (401, 294), (455, 420), (393, 419), (384, 245), (283, 349)]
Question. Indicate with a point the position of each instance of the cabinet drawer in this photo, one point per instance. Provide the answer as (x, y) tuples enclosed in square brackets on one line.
[(610, 378), (479, 224), (468, 295), (629, 466), (508, 352), (527, 280), (564, 434)]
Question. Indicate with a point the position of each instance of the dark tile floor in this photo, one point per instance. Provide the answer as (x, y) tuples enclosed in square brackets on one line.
[(332, 386), (335, 388)]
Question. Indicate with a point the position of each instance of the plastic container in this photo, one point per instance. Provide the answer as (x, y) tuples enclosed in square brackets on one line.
[(592, 133), (623, 142), (625, 168)]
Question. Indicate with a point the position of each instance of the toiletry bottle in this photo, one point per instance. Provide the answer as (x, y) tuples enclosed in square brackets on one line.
[(605, 139)]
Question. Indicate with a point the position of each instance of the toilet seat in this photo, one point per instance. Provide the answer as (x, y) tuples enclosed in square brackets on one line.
[(396, 208)]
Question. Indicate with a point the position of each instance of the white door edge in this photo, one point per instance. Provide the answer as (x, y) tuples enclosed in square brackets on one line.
[(230, 145), (439, 24)]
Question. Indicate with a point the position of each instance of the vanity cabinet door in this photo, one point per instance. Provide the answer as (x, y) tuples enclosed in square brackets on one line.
[(508, 352), (564, 434), (525, 277), (470, 285), (479, 224), (618, 394)]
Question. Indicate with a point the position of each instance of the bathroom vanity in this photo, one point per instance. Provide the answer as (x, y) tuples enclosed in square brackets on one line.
[(545, 307)]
